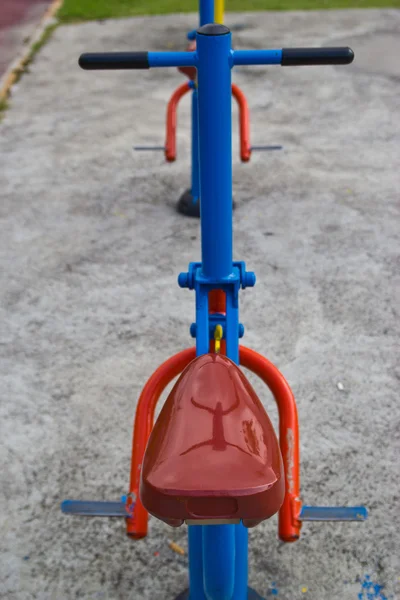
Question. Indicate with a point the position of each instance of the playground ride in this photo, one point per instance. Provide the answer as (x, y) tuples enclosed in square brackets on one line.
[(212, 459)]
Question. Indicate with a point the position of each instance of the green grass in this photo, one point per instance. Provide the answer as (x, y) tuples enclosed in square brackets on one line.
[(24, 65), (3, 108), (83, 10), (47, 33)]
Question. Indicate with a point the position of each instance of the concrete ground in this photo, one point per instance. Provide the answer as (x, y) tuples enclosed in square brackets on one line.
[(90, 250)]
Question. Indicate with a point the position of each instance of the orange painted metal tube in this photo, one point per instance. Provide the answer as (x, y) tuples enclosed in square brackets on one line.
[(217, 304), (217, 301), (170, 141), (136, 525), (244, 123), (289, 524)]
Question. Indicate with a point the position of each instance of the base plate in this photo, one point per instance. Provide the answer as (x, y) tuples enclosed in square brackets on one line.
[(251, 595), (187, 207)]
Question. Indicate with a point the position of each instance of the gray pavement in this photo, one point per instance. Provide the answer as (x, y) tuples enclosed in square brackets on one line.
[(90, 250)]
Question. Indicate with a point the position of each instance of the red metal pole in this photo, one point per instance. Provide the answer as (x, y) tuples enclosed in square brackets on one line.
[(289, 524), (217, 304), (136, 526), (244, 123), (170, 141)]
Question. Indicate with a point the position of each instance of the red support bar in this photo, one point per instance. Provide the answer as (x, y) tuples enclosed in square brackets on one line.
[(289, 524), (170, 142), (136, 525), (217, 304), (244, 123)]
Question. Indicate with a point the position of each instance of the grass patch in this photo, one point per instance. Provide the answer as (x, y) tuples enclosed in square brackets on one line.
[(22, 67), (84, 10), (3, 107), (47, 33)]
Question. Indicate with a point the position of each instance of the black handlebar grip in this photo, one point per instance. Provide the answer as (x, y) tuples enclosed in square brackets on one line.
[(295, 57), (114, 60)]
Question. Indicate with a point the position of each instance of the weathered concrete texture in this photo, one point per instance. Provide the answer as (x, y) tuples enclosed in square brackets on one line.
[(90, 249)]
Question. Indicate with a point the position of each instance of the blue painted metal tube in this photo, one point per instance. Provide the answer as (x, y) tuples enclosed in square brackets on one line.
[(202, 321), (257, 57), (333, 513), (232, 326), (206, 10), (224, 547), (219, 562), (195, 536), (215, 150), (172, 59), (241, 562), (195, 148)]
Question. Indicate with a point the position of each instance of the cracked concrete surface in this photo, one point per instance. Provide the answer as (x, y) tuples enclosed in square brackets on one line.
[(90, 249)]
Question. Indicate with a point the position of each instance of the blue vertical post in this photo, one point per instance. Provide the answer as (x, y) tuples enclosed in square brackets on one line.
[(215, 149), (241, 562), (206, 15), (219, 575), (202, 321), (195, 149), (224, 578), (232, 325), (196, 588), (206, 9)]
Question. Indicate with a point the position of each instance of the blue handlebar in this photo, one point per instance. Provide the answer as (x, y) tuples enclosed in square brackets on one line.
[(295, 57), (94, 61), (286, 57)]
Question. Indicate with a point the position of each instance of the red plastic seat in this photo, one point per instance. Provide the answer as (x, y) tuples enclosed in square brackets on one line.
[(213, 455)]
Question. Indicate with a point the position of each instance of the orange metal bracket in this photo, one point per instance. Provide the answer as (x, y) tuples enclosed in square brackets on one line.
[(244, 123), (217, 304), (289, 524), (136, 525), (170, 142)]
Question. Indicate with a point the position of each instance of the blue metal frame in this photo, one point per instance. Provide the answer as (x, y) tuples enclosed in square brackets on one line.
[(226, 577), (206, 12), (215, 152), (251, 57), (214, 58), (206, 15), (195, 187)]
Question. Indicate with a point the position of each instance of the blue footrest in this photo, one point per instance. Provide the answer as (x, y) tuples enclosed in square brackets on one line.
[(89, 508), (333, 513)]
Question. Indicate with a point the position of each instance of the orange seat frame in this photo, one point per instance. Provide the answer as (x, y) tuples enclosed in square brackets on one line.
[(213, 454), (289, 523)]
